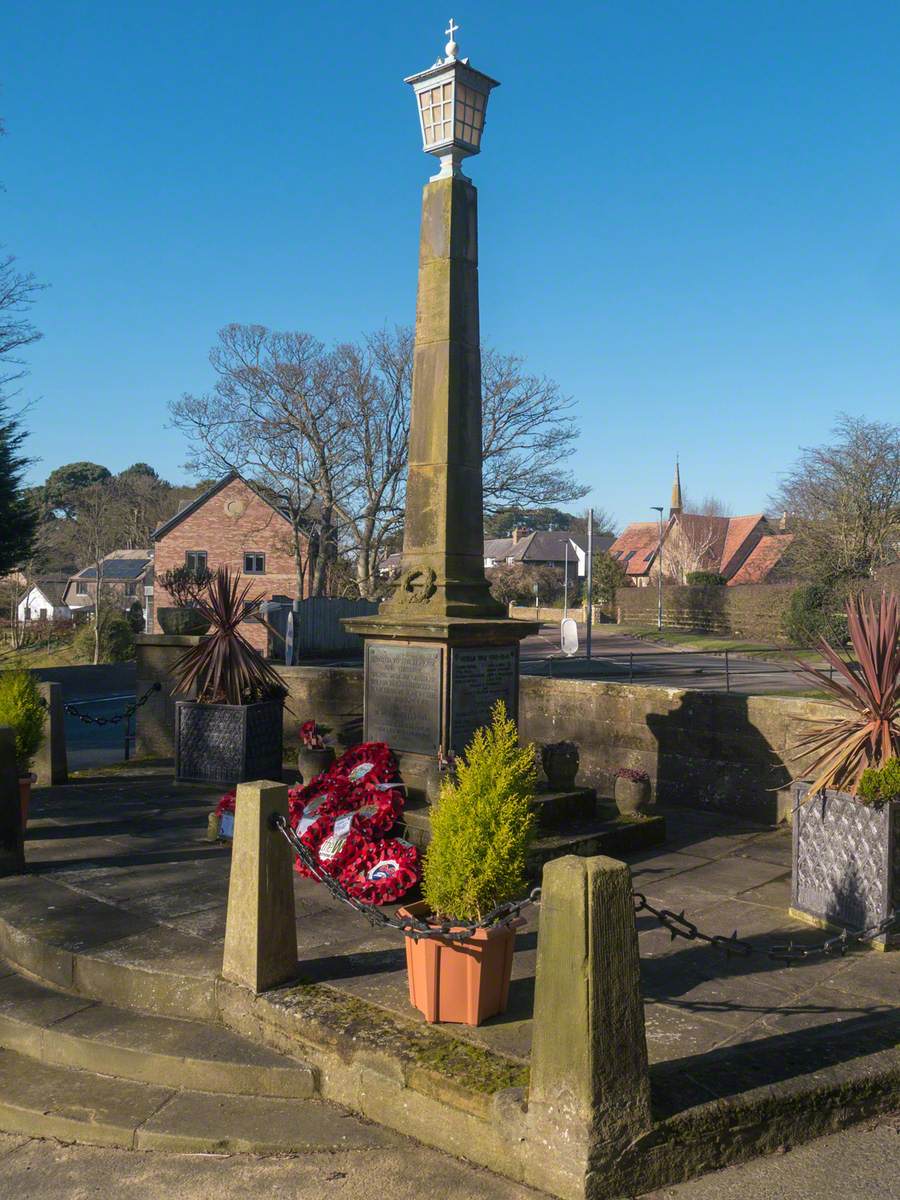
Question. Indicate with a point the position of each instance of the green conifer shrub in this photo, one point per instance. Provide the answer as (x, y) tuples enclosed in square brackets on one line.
[(482, 825), (21, 708)]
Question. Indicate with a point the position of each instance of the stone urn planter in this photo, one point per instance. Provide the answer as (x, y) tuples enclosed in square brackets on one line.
[(560, 762), (228, 743), (846, 861), (185, 621), (313, 761), (463, 982), (633, 791)]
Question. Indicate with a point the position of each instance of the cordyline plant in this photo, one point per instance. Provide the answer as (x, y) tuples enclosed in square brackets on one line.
[(869, 688), (224, 668)]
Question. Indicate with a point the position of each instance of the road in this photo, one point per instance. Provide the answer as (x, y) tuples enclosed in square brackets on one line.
[(102, 691), (621, 658), (856, 1164)]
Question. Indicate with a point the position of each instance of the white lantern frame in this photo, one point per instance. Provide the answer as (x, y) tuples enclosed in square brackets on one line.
[(451, 98)]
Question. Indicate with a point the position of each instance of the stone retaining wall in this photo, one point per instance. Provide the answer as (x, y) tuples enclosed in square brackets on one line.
[(702, 749)]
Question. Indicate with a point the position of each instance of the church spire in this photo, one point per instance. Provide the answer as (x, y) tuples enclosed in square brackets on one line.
[(676, 505)]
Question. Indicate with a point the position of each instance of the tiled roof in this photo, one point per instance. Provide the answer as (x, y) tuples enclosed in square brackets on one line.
[(739, 529), (635, 548), (763, 558), (51, 588)]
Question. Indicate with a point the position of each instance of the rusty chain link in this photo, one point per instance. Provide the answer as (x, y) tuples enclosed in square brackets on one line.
[(86, 719)]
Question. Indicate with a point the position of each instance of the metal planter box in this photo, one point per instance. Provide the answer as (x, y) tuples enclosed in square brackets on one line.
[(846, 861), (228, 743)]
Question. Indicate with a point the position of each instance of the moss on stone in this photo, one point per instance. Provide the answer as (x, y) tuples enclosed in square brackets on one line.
[(471, 1066)]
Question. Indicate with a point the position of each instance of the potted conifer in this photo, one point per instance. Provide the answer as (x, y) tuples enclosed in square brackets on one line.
[(22, 708), (481, 828), (846, 860), (232, 730)]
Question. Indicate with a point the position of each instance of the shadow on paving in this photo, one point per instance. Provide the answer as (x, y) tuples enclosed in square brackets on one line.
[(730, 1070)]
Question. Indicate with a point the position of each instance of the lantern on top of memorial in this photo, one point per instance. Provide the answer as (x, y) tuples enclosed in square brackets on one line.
[(452, 99)]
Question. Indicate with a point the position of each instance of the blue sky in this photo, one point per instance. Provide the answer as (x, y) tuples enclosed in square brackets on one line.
[(690, 212)]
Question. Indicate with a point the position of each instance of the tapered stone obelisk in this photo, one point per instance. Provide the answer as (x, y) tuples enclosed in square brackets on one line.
[(441, 650)]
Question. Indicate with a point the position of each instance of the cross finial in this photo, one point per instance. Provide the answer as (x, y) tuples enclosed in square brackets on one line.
[(451, 48)]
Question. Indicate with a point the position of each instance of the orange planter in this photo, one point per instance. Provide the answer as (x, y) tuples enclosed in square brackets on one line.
[(461, 982), (24, 798)]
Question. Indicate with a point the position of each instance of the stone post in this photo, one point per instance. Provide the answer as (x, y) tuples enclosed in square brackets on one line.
[(260, 930), (12, 854), (589, 1095), (51, 763)]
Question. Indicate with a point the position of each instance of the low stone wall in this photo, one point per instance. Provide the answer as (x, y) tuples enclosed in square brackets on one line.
[(701, 749), (751, 611)]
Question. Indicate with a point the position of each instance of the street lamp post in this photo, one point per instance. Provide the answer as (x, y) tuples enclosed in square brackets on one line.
[(659, 567)]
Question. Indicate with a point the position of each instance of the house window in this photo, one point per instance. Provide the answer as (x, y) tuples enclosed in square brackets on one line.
[(195, 560), (254, 563), (81, 589), (43, 614)]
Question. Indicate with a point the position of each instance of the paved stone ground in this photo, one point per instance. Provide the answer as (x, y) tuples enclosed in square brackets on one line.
[(136, 841), (859, 1162)]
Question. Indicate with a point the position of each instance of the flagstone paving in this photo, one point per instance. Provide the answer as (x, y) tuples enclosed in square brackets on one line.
[(119, 869)]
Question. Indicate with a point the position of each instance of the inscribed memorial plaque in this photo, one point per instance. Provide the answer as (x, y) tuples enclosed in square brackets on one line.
[(403, 696), (479, 677)]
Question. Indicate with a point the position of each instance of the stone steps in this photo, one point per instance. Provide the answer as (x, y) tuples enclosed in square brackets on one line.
[(40, 1099), (571, 822), (64, 1030)]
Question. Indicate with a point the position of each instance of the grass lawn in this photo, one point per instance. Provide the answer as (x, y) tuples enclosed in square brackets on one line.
[(60, 654), (715, 644)]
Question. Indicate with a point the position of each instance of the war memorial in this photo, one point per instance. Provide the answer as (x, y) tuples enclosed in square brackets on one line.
[(169, 980)]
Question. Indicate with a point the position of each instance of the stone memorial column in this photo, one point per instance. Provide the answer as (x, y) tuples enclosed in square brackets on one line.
[(441, 651)]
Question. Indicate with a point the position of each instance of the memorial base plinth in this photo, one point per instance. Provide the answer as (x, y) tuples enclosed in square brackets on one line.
[(429, 684)]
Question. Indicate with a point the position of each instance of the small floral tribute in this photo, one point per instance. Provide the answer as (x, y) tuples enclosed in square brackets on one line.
[(310, 736), (341, 817), (635, 774)]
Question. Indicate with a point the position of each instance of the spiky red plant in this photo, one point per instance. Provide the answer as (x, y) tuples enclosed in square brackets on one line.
[(224, 668), (869, 688)]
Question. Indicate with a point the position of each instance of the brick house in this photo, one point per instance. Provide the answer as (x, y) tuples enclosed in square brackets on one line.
[(123, 574), (229, 525)]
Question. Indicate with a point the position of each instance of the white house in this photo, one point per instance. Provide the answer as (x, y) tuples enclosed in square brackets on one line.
[(44, 600)]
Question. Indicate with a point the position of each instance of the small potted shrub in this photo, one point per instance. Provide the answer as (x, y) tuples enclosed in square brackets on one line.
[(560, 762), (846, 859), (185, 585), (314, 756), (481, 828), (232, 731), (22, 708), (633, 791)]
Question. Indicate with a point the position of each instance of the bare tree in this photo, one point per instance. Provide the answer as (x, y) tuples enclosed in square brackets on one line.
[(272, 416), (691, 544), (325, 433), (843, 501), (527, 433), (96, 526)]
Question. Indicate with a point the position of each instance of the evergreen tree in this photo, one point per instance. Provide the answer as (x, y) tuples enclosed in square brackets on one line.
[(18, 517)]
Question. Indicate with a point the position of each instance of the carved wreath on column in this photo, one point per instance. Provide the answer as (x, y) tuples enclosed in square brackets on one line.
[(417, 585)]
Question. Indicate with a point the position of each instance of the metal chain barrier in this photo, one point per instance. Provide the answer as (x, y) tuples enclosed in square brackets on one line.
[(86, 719), (679, 926), (409, 926)]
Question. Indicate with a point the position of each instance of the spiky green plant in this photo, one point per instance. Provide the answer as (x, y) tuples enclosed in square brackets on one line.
[(22, 708), (481, 825), (225, 668), (868, 689)]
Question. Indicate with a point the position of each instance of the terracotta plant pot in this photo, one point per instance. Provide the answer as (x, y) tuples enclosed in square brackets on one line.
[(312, 761), (632, 795), (460, 982), (560, 763), (25, 797)]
